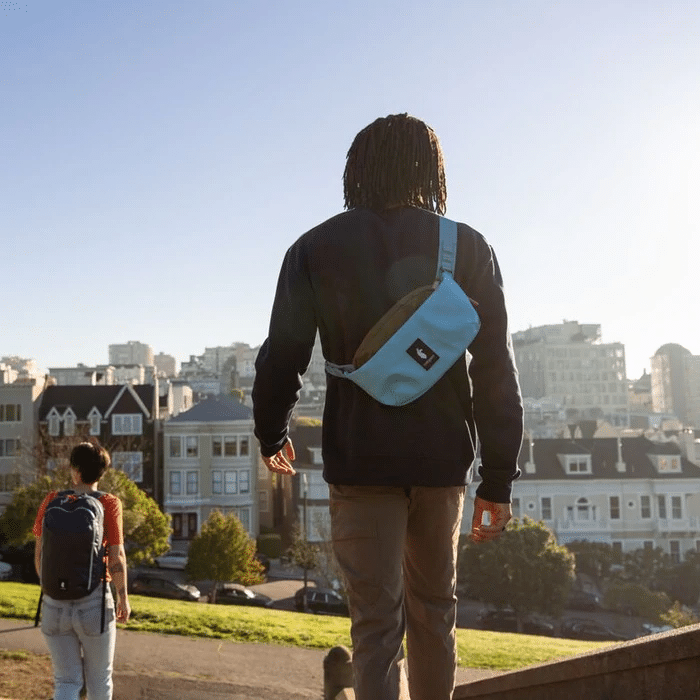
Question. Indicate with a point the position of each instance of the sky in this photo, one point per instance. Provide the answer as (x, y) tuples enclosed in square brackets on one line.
[(158, 158)]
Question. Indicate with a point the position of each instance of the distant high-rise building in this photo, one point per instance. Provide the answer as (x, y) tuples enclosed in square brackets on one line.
[(131, 353), (675, 383), (567, 363), (166, 364)]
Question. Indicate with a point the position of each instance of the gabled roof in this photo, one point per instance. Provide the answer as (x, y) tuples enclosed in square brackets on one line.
[(636, 454), (81, 399), (213, 410), (305, 437)]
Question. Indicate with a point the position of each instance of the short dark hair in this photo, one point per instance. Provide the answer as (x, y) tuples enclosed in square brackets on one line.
[(91, 461), (395, 161)]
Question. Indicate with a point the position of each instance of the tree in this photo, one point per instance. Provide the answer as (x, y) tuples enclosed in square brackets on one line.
[(303, 553), (146, 527), (635, 599), (222, 551), (594, 558), (524, 569)]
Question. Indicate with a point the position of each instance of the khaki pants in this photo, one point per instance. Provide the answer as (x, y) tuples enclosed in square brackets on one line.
[(398, 551)]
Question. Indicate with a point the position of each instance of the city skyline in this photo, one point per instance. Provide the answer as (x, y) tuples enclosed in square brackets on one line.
[(159, 160)]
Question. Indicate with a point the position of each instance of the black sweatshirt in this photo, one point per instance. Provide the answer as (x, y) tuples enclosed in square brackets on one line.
[(340, 278)]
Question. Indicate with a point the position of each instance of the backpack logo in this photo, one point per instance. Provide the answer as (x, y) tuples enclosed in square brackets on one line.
[(425, 356)]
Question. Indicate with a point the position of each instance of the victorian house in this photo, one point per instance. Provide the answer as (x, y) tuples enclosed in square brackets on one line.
[(122, 418)]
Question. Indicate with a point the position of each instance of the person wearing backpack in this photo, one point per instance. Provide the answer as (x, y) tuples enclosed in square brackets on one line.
[(84, 527), (396, 473)]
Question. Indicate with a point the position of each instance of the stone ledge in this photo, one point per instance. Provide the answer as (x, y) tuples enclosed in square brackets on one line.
[(660, 667)]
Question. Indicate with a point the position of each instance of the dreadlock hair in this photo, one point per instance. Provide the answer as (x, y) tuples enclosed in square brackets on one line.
[(396, 160)]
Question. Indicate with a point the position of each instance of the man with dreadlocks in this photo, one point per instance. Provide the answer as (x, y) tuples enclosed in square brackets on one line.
[(396, 475)]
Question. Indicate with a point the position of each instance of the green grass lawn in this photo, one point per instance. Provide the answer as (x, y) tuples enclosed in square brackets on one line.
[(477, 649)]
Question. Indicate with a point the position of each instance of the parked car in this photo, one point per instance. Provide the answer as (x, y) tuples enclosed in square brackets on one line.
[(5, 571), (321, 600), (649, 628), (590, 630), (583, 600), (236, 594), (146, 584), (506, 621), (172, 560)]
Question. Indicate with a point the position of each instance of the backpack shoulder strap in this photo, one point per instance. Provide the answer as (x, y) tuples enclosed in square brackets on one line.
[(447, 248)]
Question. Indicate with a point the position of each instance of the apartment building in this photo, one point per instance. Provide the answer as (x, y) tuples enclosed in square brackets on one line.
[(630, 493), (17, 433), (210, 462), (568, 364)]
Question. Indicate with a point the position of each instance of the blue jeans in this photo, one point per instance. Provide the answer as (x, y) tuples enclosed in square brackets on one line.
[(71, 627)]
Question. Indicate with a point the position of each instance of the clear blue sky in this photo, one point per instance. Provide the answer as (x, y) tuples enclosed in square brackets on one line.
[(158, 158)]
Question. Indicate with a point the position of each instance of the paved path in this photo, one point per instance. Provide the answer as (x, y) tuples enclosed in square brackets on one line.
[(156, 666)]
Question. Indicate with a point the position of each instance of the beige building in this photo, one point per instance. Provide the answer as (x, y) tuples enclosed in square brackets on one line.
[(210, 462), (568, 364), (18, 402), (131, 353)]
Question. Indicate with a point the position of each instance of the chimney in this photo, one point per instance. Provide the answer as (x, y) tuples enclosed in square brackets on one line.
[(530, 464), (620, 465)]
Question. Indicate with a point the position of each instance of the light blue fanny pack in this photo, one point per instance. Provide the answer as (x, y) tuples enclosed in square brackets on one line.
[(427, 344)]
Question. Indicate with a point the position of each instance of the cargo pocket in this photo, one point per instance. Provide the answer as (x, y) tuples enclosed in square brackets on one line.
[(356, 548), (90, 619)]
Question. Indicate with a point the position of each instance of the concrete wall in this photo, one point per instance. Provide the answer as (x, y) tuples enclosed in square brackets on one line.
[(662, 667)]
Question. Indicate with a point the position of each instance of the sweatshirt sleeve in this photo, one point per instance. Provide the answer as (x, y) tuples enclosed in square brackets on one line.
[(285, 355), (497, 403)]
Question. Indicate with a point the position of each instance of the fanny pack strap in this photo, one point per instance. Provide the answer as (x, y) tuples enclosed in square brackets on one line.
[(447, 248)]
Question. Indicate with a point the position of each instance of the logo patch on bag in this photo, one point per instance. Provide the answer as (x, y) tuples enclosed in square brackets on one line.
[(422, 354)]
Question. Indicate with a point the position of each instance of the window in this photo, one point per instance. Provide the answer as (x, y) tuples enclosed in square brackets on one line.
[(192, 483), (244, 481), (614, 507), (578, 464), (9, 447), (675, 551), (617, 547), (661, 501), (175, 483), (243, 514), (54, 425), (10, 413), (231, 482), (676, 510), (191, 446), (217, 482), (546, 507), (243, 446), (9, 482), (191, 525), (645, 504), (175, 446), (69, 423), (127, 424), (95, 423), (516, 507), (230, 447), (648, 546), (131, 463), (583, 509), (216, 447)]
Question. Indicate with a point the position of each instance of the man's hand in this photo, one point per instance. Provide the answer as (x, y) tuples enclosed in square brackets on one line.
[(501, 513), (281, 463)]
